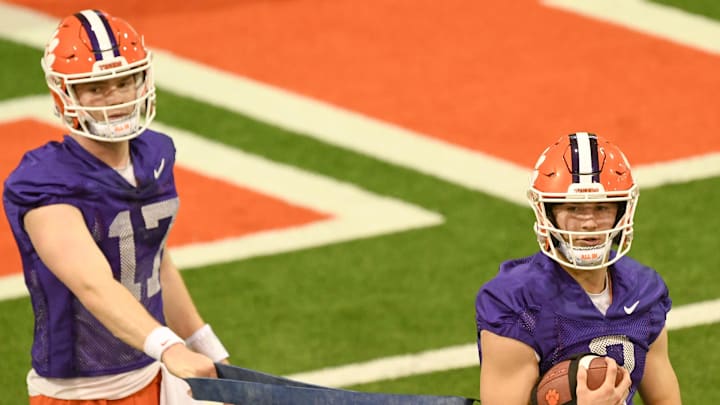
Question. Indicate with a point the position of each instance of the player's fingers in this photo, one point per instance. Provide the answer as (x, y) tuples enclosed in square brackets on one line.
[(626, 380), (624, 398), (582, 374), (207, 368), (581, 380), (213, 373), (622, 389), (611, 372)]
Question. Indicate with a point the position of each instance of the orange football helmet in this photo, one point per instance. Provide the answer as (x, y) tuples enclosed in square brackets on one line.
[(583, 168), (92, 46)]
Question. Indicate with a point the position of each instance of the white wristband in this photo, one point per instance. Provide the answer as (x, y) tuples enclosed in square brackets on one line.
[(206, 342), (159, 340)]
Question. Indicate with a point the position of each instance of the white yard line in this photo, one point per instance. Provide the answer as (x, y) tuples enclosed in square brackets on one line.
[(354, 212), (367, 135), (406, 148), (344, 128), (463, 356), (672, 24), (12, 286)]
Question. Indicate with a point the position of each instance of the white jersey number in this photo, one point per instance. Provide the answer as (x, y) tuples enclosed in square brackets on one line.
[(121, 228), (599, 346)]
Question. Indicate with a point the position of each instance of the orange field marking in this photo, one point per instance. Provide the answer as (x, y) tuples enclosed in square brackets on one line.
[(210, 209), (500, 77)]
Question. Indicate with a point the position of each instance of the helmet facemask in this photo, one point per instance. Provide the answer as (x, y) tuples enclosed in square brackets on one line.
[(562, 245), (98, 122)]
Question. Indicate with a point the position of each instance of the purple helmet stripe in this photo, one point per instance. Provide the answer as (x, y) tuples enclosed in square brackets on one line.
[(111, 35), (594, 158), (585, 159), (91, 34), (575, 158)]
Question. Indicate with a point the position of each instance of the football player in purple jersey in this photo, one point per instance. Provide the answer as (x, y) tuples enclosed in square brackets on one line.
[(580, 293), (91, 216)]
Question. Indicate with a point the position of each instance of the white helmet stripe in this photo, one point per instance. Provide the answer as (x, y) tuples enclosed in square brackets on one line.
[(105, 40), (585, 166)]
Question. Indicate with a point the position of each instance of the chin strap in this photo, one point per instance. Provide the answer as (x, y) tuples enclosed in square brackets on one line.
[(584, 256), (112, 129), (236, 385)]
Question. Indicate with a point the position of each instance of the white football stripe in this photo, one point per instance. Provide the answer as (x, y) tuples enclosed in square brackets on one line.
[(355, 213)]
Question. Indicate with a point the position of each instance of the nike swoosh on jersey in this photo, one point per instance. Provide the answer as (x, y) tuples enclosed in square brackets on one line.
[(156, 172), (629, 310)]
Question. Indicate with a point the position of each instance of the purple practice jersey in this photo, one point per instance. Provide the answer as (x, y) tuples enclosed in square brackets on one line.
[(129, 224), (535, 301)]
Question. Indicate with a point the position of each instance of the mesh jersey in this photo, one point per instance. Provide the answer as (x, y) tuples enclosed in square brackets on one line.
[(129, 224), (536, 302)]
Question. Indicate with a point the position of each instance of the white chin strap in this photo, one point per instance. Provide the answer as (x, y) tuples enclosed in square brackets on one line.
[(585, 256), (118, 128)]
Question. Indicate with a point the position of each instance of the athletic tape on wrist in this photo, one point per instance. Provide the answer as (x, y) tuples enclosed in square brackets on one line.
[(206, 342), (159, 340)]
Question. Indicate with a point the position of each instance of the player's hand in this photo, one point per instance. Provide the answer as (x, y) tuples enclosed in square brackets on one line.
[(185, 363), (608, 393)]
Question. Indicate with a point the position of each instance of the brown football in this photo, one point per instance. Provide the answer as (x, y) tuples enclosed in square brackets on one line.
[(597, 368), (556, 386)]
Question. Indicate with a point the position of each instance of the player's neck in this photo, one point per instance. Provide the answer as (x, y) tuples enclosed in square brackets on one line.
[(114, 154), (592, 281)]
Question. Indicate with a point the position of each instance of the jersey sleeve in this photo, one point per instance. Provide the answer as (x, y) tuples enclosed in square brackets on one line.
[(663, 303), (26, 194), (505, 311), (30, 186), (24, 189)]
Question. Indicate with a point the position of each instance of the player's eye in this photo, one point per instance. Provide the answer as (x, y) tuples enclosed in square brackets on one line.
[(126, 82), (88, 89)]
